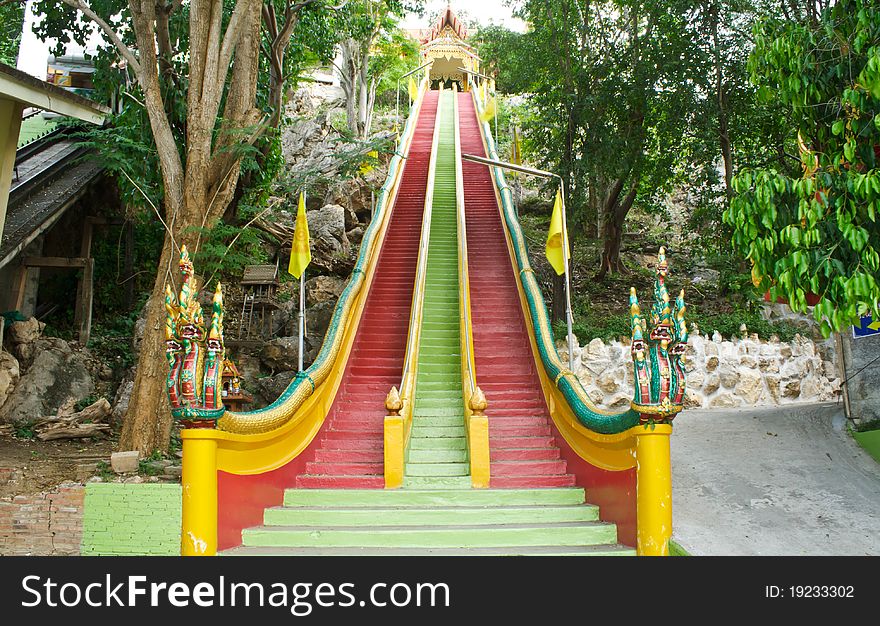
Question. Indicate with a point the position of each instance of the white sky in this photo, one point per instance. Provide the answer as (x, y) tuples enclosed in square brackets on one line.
[(33, 54), (483, 11)]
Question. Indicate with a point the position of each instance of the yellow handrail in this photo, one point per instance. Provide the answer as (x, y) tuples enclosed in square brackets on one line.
[(476, 422), (398, 424)]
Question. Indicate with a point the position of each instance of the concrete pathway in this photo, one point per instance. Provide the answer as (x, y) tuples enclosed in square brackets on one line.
[(777, 481)]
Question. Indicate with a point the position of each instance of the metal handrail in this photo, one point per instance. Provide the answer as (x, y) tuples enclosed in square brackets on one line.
[(414, 334), (470, 378)]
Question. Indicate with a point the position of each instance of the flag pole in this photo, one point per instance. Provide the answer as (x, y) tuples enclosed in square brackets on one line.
[(565, 253), (302, 316), (545, 174), (302, 305)]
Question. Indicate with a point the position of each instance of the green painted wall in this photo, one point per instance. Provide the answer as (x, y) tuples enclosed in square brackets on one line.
[(870, 441), (131, 519)]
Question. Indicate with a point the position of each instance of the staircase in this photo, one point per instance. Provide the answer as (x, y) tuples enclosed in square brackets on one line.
[(533, 507), (349, 451), (438, 445), (338, 522), (522, 450)]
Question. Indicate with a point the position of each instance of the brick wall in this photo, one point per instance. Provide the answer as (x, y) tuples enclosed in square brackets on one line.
[(131, 519), (47, 523), (96, 519)]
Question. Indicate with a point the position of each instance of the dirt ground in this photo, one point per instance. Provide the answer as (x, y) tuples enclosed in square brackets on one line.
[(30, 465)]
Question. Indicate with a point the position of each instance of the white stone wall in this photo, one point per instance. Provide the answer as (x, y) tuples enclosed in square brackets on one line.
[(739, 372)]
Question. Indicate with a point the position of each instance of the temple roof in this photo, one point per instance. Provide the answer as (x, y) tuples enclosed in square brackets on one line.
[(447, 18)]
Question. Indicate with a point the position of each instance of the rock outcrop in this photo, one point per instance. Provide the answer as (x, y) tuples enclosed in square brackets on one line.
[(741, 372)]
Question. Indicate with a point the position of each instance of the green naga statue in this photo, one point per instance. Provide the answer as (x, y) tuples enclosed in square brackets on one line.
[(659, 360), (195, 354)]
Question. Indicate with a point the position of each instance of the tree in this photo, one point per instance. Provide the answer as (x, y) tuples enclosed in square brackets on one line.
[(11, 24), (369, 26), (611, 85), (813, 229), (199, 144)]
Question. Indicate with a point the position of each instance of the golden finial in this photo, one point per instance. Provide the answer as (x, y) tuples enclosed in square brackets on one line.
[(478, 402), (393, 404)]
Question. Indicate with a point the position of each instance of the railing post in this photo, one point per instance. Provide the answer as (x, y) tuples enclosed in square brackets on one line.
[(478, 438), (659, 368), (653, 489), (394, 442), (198, 535)]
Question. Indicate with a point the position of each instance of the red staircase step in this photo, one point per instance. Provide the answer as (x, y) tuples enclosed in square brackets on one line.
[(523, 454), (531, 468), (522, 451), (531, 482), (306, 481)]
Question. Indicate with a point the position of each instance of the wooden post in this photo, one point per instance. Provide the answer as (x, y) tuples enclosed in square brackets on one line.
[(83, 310), (84, 302)]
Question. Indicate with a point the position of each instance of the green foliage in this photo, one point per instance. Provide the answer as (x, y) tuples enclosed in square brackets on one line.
[(147, 467), (24, 429), (816, 230), (226, 250), (85, 402), (104, 471), (588, 325), (11, 23), (504, 53)]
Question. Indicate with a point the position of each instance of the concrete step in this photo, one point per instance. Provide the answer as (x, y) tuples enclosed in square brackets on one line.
[(596, 550), (433, 516), (484, 535), (432, 497)]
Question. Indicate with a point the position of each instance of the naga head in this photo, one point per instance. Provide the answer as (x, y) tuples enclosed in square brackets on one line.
[(658, 361), (195, 355)]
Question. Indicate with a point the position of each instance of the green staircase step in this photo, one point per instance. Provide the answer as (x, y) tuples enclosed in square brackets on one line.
[(486, 536), (599, 550), (433, 497), (438, 456), (437, 482), (437, 469), (437, 444), (434, 516), (437, 431)]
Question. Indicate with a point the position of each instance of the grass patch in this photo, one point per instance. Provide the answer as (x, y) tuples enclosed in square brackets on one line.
[(677, 550)]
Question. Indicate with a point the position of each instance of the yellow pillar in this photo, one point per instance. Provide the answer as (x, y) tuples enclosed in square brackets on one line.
[(394, 447), (478, 437), (653, 490), (199, 520), (10, 125)]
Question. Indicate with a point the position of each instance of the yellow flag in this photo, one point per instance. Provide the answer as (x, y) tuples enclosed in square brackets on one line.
[(300, 253), (489, 111), (367, 165), (413, 89), (557, 239)]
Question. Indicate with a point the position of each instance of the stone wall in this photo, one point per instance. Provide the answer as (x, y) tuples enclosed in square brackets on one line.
[(42, 524), (131, 519), (721, 373), (863, 371)]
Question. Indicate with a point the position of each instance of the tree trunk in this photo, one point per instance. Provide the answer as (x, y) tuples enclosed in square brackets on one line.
[(615, 217), (557, 310), (721, 95), (147, 424)]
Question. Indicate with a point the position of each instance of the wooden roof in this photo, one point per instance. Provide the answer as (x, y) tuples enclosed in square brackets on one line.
[(260, 275), (19, 86), (447, 18)]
